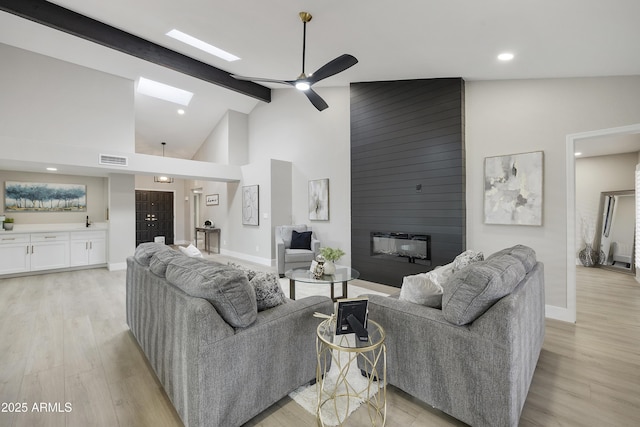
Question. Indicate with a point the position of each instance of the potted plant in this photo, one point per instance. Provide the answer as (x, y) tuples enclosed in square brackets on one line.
[(8, 224), (331, 255)]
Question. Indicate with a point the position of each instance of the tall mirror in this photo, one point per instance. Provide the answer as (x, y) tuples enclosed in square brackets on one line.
[(616, 226)]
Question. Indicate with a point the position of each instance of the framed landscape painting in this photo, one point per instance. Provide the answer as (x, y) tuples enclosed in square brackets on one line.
[(513, 189), (44, 197)]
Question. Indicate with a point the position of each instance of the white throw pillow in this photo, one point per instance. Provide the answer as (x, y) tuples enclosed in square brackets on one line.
[(466, 258), (422, 289), (191, 251)]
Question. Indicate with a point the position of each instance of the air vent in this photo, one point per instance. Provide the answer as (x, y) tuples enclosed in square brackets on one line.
[(107, 159)]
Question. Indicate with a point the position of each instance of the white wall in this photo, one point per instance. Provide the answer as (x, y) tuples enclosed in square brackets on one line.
[(318, 146), (122, 220), (48, 100), (516, 116)]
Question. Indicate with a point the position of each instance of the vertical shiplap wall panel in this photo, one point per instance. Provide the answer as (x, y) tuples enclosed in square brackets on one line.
[(403, 134)]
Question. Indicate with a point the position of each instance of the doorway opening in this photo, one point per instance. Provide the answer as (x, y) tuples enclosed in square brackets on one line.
[(154, 216), (569, 314)]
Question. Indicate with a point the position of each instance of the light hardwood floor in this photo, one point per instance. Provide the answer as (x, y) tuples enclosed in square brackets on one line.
[(64, 339)]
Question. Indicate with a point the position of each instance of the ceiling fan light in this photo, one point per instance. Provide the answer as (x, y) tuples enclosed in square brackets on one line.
[(303, 85)]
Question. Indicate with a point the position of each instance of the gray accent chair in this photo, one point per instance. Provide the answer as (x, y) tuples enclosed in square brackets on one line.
[(476, 370), (220, 361), (287, 258)]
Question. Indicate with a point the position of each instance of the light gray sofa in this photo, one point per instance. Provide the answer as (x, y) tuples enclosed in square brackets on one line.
[(288, 258), (474, 358), (220, 361)]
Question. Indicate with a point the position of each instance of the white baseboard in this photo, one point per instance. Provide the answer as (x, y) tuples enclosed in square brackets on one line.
[(254, 259), (559, 313), (115, 266)]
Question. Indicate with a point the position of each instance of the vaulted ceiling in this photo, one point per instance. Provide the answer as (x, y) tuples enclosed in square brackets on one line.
[(392, 40)]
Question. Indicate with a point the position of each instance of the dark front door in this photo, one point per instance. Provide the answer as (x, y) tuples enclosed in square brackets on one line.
[(154, 216)]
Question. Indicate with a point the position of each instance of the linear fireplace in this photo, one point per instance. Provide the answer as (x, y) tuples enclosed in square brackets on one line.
[(402, 247)]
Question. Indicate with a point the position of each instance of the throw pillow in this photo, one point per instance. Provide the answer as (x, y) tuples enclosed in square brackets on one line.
[(422, 289), (473, 290), (301, 240), (268, 291), (250, 273), (191, 251), (465, 258)]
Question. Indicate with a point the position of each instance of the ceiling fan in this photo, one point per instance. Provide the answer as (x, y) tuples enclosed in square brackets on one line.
[(304, 82)]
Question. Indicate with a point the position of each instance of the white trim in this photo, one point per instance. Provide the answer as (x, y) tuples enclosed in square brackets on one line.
[(571, 209), (559, 313), (254, 259)]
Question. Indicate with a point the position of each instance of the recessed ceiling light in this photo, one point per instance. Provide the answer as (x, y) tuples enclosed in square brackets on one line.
[(199, 44), (163, 91), (506, 56), (52, 169), (181, 111), (578, 154)]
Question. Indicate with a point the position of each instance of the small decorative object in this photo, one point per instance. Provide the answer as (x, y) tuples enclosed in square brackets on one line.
[(589, 256), (212, 199), (330, 256), (318, 269), (319, 200), (8, 224), (513, 189), (208, 224), (250, 205)]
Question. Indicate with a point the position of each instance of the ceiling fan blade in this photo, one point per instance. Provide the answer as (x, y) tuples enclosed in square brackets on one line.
[(260, 79), (316, 100), (335, 66)]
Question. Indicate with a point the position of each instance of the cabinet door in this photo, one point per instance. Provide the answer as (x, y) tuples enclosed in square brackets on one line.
[(79, 253), (98, 251), (14, 258), (49, 255)]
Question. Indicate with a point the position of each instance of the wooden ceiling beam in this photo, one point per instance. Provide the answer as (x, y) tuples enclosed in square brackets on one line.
[(54, 16)]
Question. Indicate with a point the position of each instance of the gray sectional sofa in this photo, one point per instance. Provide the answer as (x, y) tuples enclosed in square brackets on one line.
[(220, 360), (473, 358)]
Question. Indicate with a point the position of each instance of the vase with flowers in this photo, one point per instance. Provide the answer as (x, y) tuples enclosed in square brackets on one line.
[(330, 255)]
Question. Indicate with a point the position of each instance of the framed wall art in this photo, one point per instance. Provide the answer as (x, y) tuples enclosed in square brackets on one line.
[(513, 189), (319, 200), (212, 199), (251, 205), (44, 197)]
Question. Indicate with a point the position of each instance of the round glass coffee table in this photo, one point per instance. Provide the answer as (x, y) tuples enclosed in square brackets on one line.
[(342, 275)]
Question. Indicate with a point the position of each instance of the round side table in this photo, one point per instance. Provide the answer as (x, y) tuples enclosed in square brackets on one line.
[(345, 353)]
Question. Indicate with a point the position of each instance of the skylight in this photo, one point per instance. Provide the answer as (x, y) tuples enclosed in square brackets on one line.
[(163, 91), (199, 44)]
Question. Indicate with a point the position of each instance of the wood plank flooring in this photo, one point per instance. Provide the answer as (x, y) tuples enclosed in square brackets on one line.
[(64, 341)]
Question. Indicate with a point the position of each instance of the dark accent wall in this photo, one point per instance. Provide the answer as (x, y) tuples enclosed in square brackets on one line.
[(407, 170)]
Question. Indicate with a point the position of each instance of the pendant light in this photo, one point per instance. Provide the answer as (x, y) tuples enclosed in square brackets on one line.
[(163, 178)]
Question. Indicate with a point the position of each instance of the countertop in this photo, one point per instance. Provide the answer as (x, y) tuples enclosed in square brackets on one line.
[(43, 228)]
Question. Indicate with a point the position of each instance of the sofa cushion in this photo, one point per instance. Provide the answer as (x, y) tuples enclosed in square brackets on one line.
[(285, 233), (225, 287), (474, 289), (298, 255), (161, 259), (145, 251), (524, 254), (301, 240), (268, 291)]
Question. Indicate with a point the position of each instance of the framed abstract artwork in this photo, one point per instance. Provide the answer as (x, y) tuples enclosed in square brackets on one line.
[(251, 205), (44, 197), (513, 189), (319, 200)]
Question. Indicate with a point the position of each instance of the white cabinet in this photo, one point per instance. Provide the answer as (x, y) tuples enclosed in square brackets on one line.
[(88, 248), (49, 251), (14, 253)]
